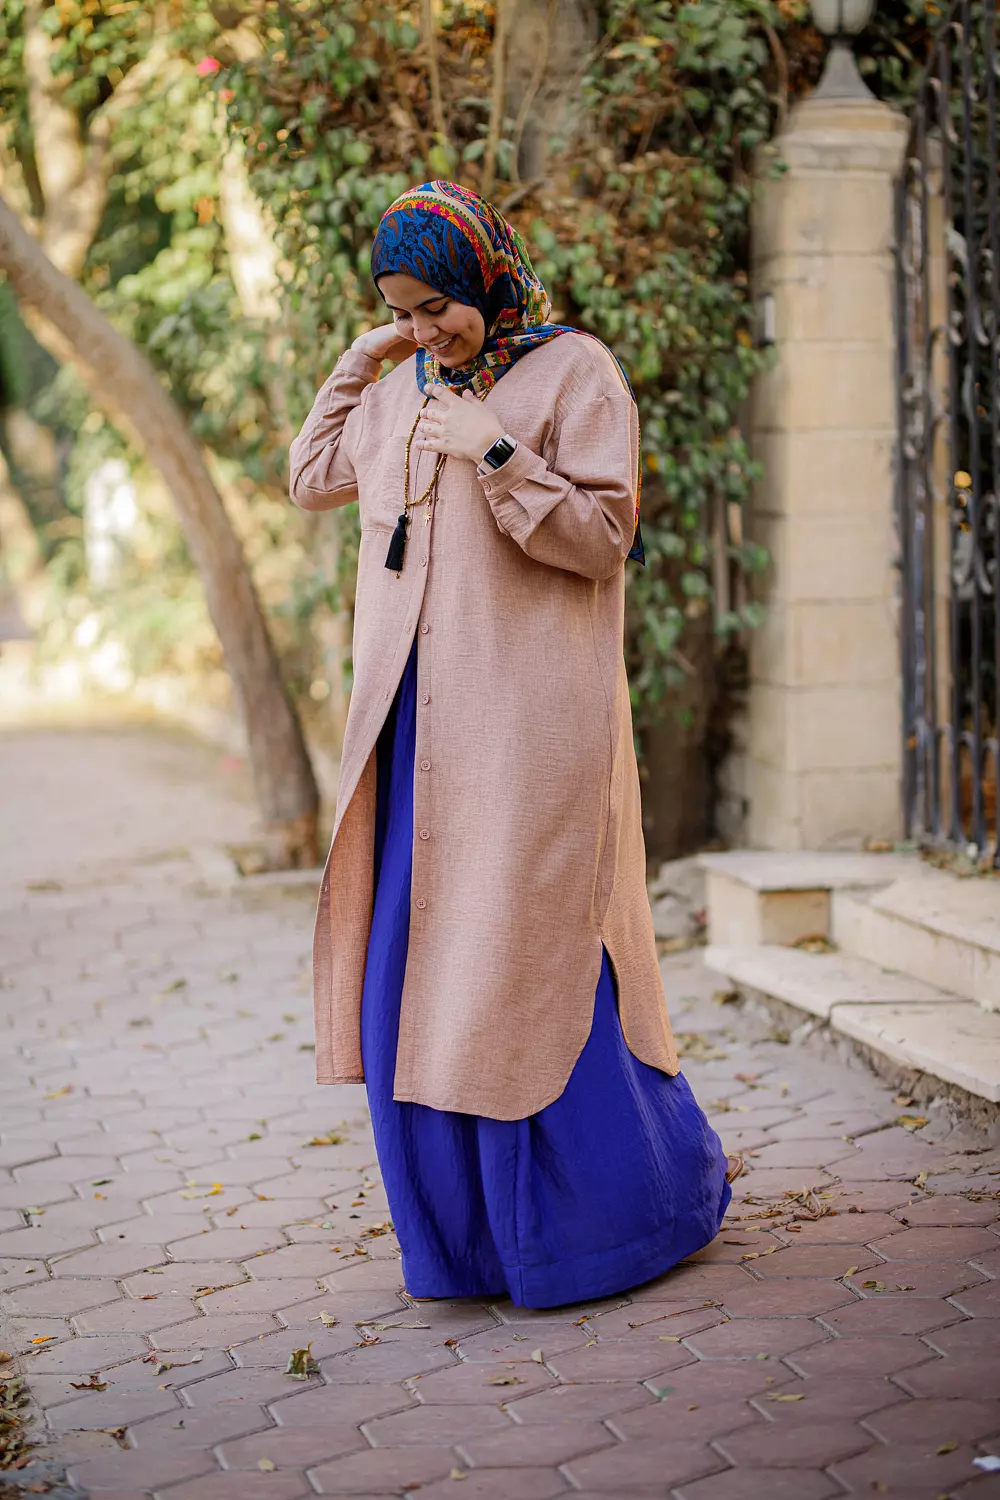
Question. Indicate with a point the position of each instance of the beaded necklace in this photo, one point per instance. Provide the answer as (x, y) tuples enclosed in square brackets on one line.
[(397, 542)]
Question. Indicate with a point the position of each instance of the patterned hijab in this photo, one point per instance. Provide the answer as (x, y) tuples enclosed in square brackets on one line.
[(449, 238)]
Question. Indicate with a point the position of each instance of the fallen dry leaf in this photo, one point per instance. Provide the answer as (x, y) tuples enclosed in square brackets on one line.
[(873, 1286), (46, 1338), (301, 1364), (911, 1122), (92, 1383), (504, 1380), (758, 1254), (328, 1319), (266, 1466), (669, 1338), (328, 1138), (948, 1447), (785, 1396), (538, 1356), (458, 1474)]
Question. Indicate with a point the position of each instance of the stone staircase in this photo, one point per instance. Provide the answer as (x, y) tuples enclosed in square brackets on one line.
[(882, 949)]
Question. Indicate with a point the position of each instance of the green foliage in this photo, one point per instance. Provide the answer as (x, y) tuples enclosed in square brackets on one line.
[(642, 240), (640, 229)]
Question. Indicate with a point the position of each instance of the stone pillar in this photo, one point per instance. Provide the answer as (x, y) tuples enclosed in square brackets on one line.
[(824, 755)]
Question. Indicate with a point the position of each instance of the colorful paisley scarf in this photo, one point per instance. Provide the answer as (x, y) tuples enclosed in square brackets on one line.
[(448, 237)]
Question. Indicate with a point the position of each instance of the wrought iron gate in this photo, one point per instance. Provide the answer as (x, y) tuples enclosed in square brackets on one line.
[(948, 459)]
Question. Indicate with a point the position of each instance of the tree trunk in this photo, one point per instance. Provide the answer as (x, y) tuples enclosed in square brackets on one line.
[(677, 773), (124, 384)]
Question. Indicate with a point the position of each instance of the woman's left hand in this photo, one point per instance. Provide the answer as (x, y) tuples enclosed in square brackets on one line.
[(457, 425)]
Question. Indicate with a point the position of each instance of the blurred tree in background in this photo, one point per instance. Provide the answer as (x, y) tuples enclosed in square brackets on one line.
[(229, 166)]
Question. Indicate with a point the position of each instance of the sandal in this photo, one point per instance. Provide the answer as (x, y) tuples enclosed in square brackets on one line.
[(735, 1167)]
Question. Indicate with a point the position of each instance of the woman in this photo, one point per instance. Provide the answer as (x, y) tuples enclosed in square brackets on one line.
[(484, 952)]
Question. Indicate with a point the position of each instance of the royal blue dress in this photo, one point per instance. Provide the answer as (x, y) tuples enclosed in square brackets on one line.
[(612, 1184)]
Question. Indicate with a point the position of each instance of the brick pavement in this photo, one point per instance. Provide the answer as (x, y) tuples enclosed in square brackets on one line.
[(181, 1208)]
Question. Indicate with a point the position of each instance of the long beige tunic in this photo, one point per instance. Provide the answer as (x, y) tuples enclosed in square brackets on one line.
[(528, 850)]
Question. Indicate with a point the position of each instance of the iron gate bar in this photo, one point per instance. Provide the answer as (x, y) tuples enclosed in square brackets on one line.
[(993, 215), (947, 224)]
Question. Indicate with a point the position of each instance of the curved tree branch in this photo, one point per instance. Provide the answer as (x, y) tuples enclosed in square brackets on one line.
[(124, 384)]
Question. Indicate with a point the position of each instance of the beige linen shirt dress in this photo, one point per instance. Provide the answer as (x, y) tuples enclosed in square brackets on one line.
[(528, 851)]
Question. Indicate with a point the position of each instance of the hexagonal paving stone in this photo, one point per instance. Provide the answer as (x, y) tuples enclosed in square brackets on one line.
[(84, 1354), (257, 1386), (240, 1485), (112, 1408), (535, 1445), (841, 1229), (576, 1403), (186, 1280), (829, 1396), (802, 1444), (435, 1425), (620, 1359), (181, 1427), (40, 1243), (671, 1420), (891, 1314), (951, 1212), (226, 1244), (131, 1316), (383, 1470), (826, 1261), (762, 1484), (980, 1301), (272, 1350), (290, 1447), (213, 1333), (147, 1470), (296, 1262), (925, 1278), (110, 1260), (778, 1298), (972, 1337), (848, 1358), (935, 1244), (905, 1468), (748, 1338), (60, 1298), (339, 1405), (388, 1361), (479, 1383), (694, 1282), (644, 1462), (500, 1484), (936, 1422)]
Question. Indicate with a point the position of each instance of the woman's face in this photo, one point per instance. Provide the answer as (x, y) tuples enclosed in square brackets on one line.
[(450, 331)]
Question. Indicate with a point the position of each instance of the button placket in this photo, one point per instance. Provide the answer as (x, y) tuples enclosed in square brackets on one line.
[(422, 790)]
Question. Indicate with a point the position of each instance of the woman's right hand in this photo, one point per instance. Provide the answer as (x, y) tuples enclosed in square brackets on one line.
[(383, 343)]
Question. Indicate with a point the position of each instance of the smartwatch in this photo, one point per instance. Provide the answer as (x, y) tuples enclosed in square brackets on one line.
[(498, 455)]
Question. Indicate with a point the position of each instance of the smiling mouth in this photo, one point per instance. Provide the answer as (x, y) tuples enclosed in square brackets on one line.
[(439, 349)]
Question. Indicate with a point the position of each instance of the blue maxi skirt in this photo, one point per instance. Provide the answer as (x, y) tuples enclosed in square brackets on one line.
[(609, 1186)]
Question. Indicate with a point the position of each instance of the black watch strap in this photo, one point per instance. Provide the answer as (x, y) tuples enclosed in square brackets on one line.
[(498, 455)]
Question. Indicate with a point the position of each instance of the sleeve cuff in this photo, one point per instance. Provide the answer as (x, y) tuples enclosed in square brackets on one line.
[(518, 514), (353, 362)]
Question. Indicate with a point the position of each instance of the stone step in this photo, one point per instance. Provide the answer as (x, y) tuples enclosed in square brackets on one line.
[(898, 1017), (933, 925), (755, 897)]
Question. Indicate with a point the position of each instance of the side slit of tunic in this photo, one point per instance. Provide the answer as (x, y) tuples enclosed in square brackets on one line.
[(609, 1186)]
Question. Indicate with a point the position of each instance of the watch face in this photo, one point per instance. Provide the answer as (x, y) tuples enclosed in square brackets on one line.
[(500, 452)]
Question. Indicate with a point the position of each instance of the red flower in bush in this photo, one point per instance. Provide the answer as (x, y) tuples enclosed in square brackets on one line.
[(208, 67)]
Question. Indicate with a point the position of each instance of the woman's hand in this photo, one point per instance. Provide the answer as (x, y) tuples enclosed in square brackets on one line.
[(383, 343), (457, 425)]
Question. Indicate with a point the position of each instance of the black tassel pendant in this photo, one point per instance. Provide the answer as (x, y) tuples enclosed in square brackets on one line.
[(397, 545)]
